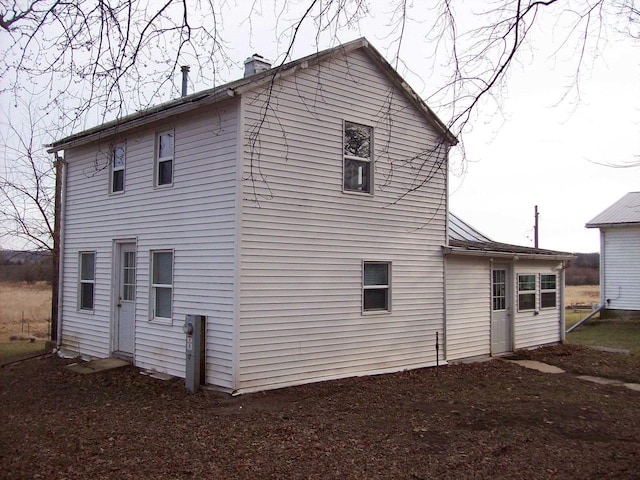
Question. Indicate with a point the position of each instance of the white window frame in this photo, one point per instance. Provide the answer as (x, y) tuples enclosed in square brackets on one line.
[(86, 281), (387, 287), (160, 160), (544, 291), (528, 292), (155, 286), (120, 168), (369, 160)]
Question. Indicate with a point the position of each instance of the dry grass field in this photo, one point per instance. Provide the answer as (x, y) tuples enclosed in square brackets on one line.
[(24, 310), (582, 294)]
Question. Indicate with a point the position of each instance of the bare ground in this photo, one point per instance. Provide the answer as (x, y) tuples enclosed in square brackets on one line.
[(484, 420)]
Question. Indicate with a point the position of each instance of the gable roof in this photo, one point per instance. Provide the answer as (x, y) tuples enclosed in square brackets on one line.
[(625, 211), (466, 240), (237, 87)]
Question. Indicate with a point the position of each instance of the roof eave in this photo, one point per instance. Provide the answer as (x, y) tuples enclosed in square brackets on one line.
[(459, 251), (612, 224), (141, 118)]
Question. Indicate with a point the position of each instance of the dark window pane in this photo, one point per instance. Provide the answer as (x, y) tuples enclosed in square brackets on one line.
[(163, 268), (376, 274), (165, 172), (548, 282), (526, 282), (376, 299), (87, 267), (356, 175), (357, 140), (118, 181), (163, 302), (86, 296), (548, 300), (527, 301)]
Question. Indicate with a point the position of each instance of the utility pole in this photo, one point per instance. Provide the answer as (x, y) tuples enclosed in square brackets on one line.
[(535, 228)]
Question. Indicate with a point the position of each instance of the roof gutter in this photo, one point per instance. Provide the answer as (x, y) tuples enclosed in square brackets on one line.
[(141, 118), (511, 255)]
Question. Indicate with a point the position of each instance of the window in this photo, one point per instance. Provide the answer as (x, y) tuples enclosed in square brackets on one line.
[(162, 283), (526, 292), (376, 295), (358, 162), (548, 291), (164, 159), (87, 280), (117, 169), (499, 295)]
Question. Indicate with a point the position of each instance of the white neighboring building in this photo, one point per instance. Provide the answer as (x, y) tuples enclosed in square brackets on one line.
[(500, 297), (620, 254)]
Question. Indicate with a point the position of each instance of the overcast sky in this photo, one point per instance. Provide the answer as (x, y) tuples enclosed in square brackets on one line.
[(537, 151)]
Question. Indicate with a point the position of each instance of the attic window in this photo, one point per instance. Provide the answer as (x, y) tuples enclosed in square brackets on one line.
[(358, 158), (164, 158)]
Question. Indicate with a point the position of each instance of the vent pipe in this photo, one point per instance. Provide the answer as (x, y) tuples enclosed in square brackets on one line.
[(185, 79), (256, 64)]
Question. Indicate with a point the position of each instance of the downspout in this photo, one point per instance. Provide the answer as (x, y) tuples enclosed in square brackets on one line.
[(562, 305), (603, 260), (63, 202)]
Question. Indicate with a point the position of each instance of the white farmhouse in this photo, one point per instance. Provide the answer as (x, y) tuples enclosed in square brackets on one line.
[(620, 254), (302, 210)]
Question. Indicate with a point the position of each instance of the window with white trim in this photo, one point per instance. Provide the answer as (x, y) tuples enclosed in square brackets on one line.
[(376, 286), (526, 292), (358, 158), (164, 158), (117, 168), (162, 283), (87, 280), (548, 290)]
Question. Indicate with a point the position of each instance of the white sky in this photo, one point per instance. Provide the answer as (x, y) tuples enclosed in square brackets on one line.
[(535, 153)]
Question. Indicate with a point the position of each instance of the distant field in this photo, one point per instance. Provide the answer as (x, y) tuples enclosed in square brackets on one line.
[(24, 310), (581, 294)]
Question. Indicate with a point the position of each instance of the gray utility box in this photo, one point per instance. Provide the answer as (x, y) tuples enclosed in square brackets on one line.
[(195, 327)]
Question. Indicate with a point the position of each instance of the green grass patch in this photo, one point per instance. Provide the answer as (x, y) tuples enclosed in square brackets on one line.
[(623, 334), (16, 350)]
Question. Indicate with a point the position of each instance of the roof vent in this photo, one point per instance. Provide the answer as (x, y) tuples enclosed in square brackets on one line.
[(185, 79), (256, 64)]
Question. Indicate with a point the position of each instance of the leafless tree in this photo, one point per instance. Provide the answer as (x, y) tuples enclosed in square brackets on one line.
[(113, 56), (27, 190)]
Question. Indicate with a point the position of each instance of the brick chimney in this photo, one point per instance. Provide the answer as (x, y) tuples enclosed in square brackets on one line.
[(255, 64)]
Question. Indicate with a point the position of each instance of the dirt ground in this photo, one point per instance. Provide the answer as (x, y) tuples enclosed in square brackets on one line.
[(485, 420)]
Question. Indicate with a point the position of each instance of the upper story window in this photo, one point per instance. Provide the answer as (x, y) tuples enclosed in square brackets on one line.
[(164, 158), (526, 292), (117, 168), (358, 158), (548, 288), (87, 280)]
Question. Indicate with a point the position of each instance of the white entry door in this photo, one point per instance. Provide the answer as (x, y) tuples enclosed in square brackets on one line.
[(500, 311), (125, 299)]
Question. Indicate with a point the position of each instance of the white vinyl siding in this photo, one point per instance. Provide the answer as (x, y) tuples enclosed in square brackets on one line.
[(468, 307), (538, 326), (303, 239), (620, 265), (195, 218)]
